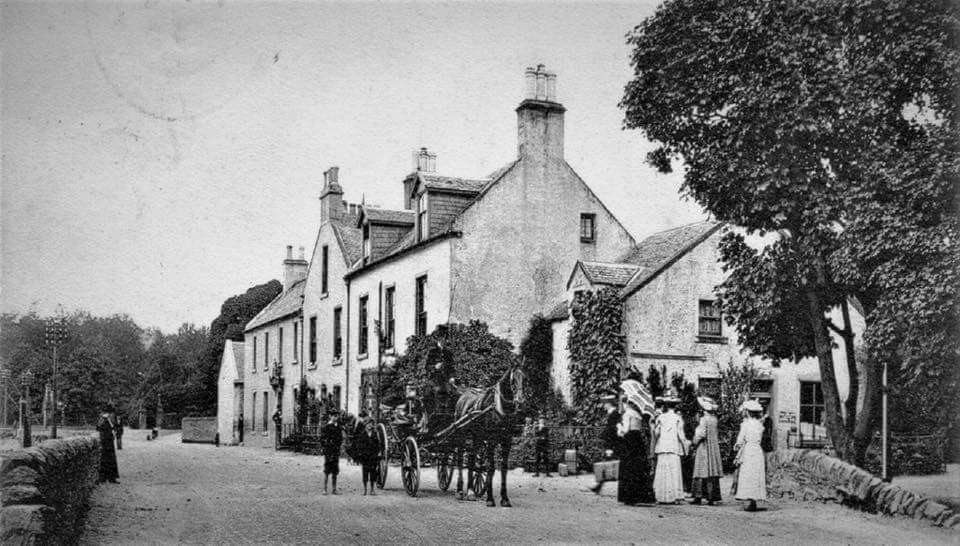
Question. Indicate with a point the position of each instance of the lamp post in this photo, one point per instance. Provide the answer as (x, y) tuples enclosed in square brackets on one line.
[(55, 334), (276, 382), (4, 377), (26, 378)]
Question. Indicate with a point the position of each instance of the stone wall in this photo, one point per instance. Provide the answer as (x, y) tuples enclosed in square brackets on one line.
[(811, 475), (45, 489)]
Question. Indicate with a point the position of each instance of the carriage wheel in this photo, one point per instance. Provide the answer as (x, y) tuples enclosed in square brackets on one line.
[(382, 465), (479, 481), (444, 472), (410, 466)]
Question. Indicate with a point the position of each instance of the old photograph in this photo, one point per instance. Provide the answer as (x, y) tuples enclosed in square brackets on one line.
[(436, 272)]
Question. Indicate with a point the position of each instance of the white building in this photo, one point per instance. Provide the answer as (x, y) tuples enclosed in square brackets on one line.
[(230, 394)]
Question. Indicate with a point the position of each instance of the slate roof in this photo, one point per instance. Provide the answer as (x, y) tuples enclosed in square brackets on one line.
[(660, 250), (284, 305), (613, 274), (559, 311), (238, 358), (387, 216), (351, 240), (452, 183)]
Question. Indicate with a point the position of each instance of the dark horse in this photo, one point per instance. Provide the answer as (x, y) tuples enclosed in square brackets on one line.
[(494, 427)]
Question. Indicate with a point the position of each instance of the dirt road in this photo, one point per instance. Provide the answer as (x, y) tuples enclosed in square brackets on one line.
[(187, 493)]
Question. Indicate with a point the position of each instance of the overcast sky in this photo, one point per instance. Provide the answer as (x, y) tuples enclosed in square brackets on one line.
[(158, 156)]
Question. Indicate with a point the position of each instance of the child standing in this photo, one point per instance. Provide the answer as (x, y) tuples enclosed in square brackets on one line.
[(331, 438), (368, 454)]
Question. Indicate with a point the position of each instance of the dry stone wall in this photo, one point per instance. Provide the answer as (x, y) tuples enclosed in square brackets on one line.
[(44, 490), (811, 475)]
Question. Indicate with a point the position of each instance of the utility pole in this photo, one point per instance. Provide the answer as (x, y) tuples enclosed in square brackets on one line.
[(4, 377), (26, 439), (56, 334), (884, 446)]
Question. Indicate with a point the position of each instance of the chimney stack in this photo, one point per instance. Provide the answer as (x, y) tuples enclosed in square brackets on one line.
[(540, 116), (294, 269), (331, 196), (424, 161)]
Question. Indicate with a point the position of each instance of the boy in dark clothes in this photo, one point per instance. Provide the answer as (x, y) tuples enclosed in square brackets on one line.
[(542, 435), (368, 454), (331, 438)]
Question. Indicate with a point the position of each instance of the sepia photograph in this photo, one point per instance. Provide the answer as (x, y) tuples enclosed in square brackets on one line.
[(449, 272)]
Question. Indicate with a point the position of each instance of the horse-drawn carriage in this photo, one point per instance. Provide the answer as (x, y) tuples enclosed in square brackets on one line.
[(469, 423)]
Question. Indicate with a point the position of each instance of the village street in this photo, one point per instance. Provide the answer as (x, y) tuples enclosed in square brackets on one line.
[(195, 493)]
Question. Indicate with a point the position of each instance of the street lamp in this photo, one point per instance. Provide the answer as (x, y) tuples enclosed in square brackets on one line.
[(26, 379), (55, 334)]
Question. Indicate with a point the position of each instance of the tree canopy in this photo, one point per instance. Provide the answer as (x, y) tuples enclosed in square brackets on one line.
[(831, 124)]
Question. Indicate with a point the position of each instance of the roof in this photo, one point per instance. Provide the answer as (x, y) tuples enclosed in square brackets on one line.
[(659, 251), (441, 182), (351, 241), (559, 311), (387, 216), (286, 304), (614, 274), (237, 357)]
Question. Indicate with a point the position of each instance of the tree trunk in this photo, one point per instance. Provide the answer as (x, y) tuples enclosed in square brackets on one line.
[(828, 379), (866, 420), (852, 373)]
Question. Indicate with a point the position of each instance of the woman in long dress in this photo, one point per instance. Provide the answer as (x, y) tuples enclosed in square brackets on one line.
[(634, 485), (707, 467), (751, 483), (668, 478), (108, 454)]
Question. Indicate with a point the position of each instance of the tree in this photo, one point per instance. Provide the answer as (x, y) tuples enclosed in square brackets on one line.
[(831, 124), (536, 350)]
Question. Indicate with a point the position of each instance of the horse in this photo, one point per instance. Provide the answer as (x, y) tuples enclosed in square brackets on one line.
[(500, 404)]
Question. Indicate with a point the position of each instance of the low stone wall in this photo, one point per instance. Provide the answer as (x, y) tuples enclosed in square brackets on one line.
[(198, 429), (811, 475), (44, 490)]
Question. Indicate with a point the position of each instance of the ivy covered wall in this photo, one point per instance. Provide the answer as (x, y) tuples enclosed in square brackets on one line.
[(597, 349)]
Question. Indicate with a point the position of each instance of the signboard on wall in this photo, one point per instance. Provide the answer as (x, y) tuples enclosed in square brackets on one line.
[(787, 417)]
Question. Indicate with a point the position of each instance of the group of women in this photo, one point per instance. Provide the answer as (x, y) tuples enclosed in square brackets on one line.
[(647, 434)]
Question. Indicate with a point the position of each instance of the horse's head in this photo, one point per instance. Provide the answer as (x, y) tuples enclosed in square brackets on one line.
[(517, 378)]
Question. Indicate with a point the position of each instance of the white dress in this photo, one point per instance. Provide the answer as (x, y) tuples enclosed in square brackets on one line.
[(668, 477), (752, 480)]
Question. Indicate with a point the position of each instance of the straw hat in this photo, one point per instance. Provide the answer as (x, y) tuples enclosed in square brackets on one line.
[(752, 405), (707, 403), (670, 397)]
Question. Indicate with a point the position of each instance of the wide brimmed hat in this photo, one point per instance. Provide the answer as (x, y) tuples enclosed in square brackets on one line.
[(707, 403), (609, 397), (752, 405), (670, 397)]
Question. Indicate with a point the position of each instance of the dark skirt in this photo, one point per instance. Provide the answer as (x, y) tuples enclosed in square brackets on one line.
[(108, 455), (634, 482), (706, 488)]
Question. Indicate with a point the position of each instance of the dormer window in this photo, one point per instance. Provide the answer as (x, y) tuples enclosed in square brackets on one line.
[(423, 224), (587, 228), (366, 243)]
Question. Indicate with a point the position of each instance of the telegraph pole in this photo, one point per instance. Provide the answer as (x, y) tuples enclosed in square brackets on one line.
[(4, 376)]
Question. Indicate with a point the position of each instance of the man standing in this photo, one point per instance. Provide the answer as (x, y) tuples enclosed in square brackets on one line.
[(331, 438), (609, 434), (118, 431)]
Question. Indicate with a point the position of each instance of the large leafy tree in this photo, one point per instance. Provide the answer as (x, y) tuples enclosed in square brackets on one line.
[(830, 125)]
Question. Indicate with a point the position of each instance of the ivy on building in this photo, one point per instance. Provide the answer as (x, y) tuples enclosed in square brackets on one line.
[(597, 349)]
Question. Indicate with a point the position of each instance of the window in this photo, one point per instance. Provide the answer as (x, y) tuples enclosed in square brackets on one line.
[(366, 243), (254, 358), (280, 346), (324, 255), (423, 224), (811, 403), (709, 319), (296, 346), (364, 330), (313, 339), (337, 336), (388, 318), (421, 308), (253, 423), (266, 411), (587, 230), (336, 396), (266, 350)]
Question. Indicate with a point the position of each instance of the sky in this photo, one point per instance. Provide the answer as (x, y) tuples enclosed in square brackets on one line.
[(157, 157)]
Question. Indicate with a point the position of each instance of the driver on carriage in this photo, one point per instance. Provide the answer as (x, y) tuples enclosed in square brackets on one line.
[(441, 390)]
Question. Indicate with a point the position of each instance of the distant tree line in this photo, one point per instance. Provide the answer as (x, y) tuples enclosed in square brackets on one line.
[(113, 360)]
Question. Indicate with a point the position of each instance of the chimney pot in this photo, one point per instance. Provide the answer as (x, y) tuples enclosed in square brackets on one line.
[(289, 252), (530, 83), (303, 253), (425, 161), (551, 87)]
